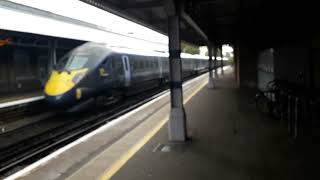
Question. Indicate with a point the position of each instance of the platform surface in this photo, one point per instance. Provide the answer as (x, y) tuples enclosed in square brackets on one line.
[(19, 98), (229, 140)]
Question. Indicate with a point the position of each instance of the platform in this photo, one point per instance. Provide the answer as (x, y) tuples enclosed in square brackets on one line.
[(21, 98), (229, 140)]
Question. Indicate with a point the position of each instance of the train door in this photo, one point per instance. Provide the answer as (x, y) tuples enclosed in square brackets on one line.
[(127, 73), (4, 71)]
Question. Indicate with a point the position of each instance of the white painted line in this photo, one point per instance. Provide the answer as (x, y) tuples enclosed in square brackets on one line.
[(22, 101), (27, 170), (55, 154)]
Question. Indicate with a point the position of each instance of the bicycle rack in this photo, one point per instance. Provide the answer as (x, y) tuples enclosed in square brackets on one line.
[(294, 104)]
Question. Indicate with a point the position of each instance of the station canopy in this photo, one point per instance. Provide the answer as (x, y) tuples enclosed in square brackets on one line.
[(259, 22)]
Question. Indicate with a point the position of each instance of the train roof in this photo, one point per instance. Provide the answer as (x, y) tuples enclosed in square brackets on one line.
[(153, 53), (131, 51)]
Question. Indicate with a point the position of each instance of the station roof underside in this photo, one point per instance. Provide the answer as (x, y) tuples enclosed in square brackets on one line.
[(260, 22)]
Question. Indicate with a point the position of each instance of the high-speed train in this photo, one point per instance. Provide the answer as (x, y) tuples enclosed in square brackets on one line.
[(95, 72)]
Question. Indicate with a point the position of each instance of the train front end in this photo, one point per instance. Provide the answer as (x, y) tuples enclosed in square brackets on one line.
[(70, 83), (61, 88)]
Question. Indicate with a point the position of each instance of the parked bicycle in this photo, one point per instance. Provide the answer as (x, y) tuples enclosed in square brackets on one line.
[(288, 102)]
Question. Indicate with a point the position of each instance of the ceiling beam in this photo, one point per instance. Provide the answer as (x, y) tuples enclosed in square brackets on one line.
[(193, 24), (142, 5), (170, 7)]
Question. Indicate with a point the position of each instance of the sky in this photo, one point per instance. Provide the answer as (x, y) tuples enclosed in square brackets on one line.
[(225, 49)]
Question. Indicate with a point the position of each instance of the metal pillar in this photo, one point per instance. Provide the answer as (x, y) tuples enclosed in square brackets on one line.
[(177, 123), (210, 82), (215, 62), (221, 64)]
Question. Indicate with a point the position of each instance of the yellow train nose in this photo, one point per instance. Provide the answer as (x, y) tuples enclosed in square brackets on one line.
[(62, 82), (58, 83)]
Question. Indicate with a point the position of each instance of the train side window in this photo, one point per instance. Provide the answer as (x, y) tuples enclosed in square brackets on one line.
[(135, 65), (148, 63), (138, 61), (132, 63), (154, 63), (141, 64)]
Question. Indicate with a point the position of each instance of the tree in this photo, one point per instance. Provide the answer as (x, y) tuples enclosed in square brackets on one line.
[(229, 55), (188, 48)]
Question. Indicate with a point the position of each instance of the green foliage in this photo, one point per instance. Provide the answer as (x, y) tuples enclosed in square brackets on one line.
[(230, 57), (218, 52), (188, 48)]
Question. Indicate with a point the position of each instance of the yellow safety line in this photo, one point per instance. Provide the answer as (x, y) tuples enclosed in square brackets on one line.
[(123, 159), (119, 163)]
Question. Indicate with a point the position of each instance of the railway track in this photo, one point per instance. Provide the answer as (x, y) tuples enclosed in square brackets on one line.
[(22, 153), (12, 114)]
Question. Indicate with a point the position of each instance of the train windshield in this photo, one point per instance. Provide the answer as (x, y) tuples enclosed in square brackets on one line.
[(85, 56)]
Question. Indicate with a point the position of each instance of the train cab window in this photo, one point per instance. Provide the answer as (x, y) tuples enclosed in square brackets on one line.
[(22, 65), (105, 63), (78, 62), (85, 56)]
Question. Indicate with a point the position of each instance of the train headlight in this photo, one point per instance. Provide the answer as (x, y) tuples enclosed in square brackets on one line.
[(77, 78), (78, 93)]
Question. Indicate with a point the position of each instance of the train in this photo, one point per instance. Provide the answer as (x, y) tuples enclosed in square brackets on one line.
[(98, 73)]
